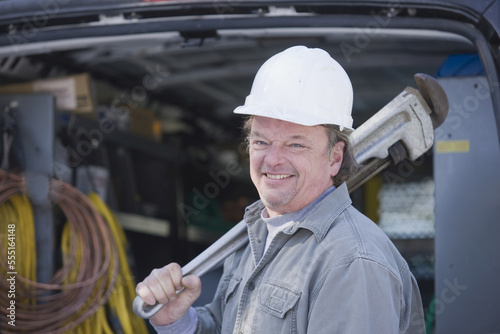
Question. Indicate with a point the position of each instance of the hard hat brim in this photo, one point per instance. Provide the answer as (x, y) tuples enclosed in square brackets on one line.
[(343, 121)]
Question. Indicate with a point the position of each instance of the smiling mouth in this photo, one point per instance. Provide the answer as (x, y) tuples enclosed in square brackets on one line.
[(278, 176)]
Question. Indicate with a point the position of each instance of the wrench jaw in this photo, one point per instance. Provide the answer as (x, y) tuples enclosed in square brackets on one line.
[(419, 135), (403, 129), (435, 97), (405, 118)]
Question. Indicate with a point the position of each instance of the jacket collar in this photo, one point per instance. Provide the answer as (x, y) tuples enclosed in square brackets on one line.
[(319, 217)]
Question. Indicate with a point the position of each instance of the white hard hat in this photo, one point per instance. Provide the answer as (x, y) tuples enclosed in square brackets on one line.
[(301, 85)]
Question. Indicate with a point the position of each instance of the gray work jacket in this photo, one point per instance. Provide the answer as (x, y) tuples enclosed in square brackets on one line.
[(334, 271)]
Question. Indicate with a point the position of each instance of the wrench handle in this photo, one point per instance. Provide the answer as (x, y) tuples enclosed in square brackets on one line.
[(209, 259), (143, 310)]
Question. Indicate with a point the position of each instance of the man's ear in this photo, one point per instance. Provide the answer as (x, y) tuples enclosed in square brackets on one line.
[(336, 156)]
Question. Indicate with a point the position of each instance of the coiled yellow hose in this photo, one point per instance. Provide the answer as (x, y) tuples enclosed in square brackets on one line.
[(92, 292), (17, 212), (120, 302)]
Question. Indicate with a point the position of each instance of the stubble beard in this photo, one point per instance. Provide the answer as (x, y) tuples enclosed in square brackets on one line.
[(279, 202)]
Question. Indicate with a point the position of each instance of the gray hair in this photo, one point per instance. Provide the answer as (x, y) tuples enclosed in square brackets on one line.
[(349, 165)]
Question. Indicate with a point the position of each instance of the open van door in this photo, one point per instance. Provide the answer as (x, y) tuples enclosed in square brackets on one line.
[(145, 90)]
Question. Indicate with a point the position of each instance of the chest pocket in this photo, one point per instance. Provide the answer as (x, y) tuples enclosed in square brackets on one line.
[(277, 298), (232, 285)]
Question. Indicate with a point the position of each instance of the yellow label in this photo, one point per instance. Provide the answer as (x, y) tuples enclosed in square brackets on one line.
[(453, 146)]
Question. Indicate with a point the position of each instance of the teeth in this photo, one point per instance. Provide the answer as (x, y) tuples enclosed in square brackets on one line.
[(277, 177)]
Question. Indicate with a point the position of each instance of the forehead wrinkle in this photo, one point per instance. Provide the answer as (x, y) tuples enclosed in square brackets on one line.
[(300, 137)]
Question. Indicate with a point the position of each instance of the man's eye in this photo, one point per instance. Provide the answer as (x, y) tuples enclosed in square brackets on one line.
[(296, 145), (259, 143)]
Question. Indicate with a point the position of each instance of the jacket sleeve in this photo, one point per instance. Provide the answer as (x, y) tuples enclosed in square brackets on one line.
[(185, 325), (361, 296)]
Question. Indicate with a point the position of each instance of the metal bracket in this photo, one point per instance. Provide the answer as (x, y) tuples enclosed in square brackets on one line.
[(34, 118)]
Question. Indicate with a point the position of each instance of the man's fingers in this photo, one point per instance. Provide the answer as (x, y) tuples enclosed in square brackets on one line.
[(162, 285), (191, 282), (170, 277), (192, 285), (157, 287), (175, 272), (145, 293)]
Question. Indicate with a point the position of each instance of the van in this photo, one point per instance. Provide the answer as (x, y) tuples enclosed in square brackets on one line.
[(134, 100)]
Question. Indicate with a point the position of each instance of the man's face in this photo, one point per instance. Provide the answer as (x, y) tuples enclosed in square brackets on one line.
[(290, 164)]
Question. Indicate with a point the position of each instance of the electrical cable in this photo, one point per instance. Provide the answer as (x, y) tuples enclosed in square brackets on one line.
[(96, 323), (17, 211), (63, 303), (122, 297)]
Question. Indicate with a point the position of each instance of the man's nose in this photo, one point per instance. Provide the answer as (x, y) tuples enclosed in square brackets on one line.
[(275, 155)]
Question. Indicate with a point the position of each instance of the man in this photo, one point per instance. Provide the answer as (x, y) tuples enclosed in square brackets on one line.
[(314, 264)]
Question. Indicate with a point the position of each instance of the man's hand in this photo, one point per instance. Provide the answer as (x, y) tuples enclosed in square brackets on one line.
[(162, 285)]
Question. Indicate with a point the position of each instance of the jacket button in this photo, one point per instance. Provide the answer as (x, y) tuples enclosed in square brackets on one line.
[(251, 286)]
